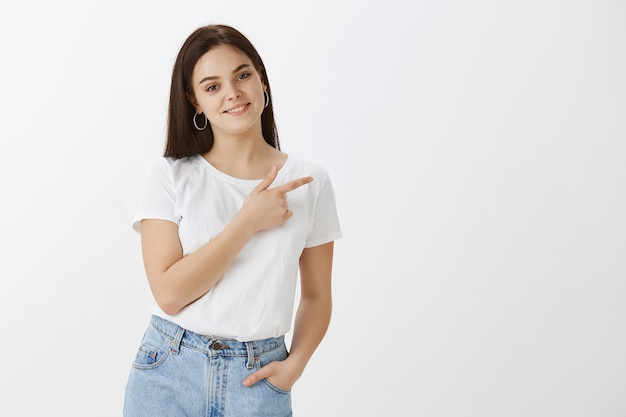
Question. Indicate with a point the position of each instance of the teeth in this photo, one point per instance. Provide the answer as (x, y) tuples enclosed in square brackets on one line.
[(236, 109)]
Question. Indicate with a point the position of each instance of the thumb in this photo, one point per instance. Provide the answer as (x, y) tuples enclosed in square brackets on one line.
[(266, 182)]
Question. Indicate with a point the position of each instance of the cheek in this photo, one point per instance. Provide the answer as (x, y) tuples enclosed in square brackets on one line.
[(207, 105)]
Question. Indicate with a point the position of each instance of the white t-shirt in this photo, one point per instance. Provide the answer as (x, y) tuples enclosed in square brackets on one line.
[(255, 297)]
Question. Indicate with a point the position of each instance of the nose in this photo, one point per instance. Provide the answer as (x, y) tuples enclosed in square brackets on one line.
[(231, 91)]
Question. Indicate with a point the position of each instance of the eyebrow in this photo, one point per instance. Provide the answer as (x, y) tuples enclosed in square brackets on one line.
[(239, 68)]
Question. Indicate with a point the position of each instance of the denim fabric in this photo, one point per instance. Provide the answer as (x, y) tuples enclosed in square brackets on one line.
[(178, 373)]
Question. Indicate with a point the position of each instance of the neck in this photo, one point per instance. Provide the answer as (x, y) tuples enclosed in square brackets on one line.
[(246, 157), (237, 148)]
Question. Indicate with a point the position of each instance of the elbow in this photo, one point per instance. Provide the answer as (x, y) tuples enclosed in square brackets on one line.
[(170, 309), (172, 299), (166, 298), (323, 302), (168, 306)]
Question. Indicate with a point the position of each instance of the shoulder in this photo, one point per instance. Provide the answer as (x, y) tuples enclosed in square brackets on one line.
[(172, 167), (175, 164), (305, 167)]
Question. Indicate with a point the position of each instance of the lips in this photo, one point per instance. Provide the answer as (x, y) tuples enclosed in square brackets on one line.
[(237, 109)]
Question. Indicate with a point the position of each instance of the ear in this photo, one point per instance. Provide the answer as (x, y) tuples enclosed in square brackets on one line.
[(260, 73), (192, 99)]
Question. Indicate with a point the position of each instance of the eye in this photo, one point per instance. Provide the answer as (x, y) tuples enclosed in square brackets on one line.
[(243, 75), (211, 88)]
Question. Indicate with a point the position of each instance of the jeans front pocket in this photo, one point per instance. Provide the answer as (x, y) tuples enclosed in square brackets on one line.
[(153, 351), (277, 354)]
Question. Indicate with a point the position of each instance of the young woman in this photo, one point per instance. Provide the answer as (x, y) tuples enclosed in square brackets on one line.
[(226, 221)]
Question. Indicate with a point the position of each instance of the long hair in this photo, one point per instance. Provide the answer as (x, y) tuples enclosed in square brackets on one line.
[(182, 138)]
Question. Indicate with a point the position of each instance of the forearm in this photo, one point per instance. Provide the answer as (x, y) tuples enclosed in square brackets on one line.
[(192, 276), (311, 324)]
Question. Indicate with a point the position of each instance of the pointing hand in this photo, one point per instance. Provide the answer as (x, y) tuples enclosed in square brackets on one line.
[(267, 207)]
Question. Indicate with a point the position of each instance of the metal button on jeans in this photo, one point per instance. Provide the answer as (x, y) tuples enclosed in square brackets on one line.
[(218, 346)]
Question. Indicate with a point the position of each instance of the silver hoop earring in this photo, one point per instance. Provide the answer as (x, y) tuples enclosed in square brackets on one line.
[(267, 98), (206, 121)]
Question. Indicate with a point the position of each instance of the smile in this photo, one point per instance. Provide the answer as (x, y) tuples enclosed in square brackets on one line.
[(237, 109)]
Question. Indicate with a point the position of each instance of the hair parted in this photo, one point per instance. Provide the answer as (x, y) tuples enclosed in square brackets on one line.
[(182, 138)]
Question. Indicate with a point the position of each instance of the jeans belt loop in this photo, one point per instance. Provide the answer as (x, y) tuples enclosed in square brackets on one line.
[(250, 349)]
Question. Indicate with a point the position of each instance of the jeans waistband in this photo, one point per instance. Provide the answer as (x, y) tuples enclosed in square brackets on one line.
[(226, 347)]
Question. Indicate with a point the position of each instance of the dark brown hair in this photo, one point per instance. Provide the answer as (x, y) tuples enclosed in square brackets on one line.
[(183, 139)]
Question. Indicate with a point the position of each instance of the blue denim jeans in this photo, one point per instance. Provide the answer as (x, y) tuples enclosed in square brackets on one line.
[(179, 373)]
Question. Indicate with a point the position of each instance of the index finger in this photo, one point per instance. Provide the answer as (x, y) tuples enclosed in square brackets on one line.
[(267, 181), (292, 185)]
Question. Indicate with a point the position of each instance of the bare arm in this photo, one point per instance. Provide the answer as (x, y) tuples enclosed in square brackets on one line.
[(315, 306), (177, 281), (312, 318)]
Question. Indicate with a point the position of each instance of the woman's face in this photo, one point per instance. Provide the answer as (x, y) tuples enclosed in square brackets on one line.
[(228, 90)]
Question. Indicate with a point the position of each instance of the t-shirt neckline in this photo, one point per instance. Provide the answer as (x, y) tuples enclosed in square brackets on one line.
[(234, 180)]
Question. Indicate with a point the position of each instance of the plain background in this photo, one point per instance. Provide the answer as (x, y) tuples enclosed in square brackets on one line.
[(477, 150)]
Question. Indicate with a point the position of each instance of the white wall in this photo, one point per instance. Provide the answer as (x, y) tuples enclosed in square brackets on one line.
[(477, 151)]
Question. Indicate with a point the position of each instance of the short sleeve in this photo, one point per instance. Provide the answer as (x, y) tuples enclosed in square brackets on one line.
[(326, 227), (157, 198)]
